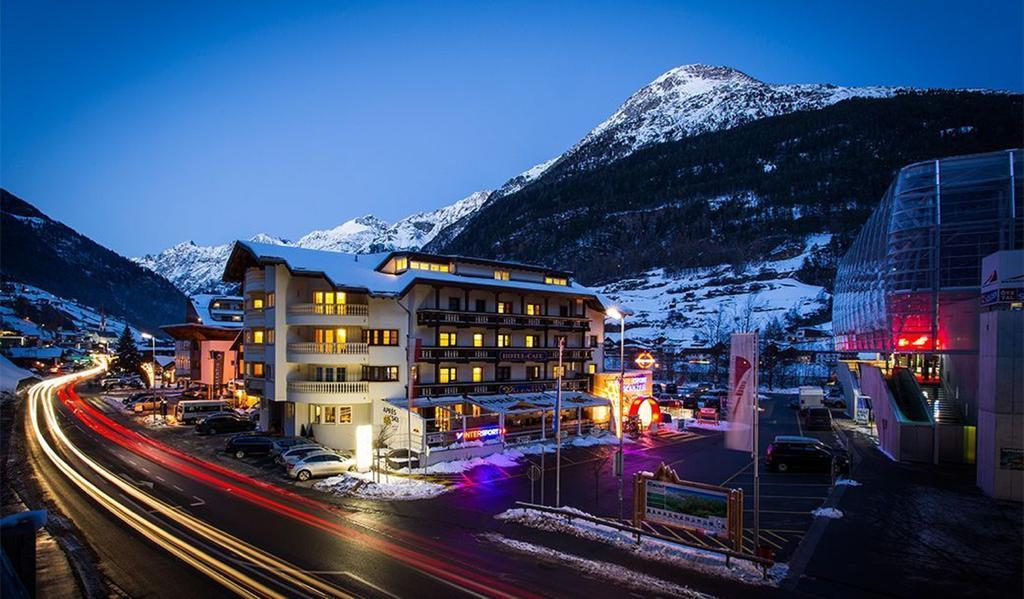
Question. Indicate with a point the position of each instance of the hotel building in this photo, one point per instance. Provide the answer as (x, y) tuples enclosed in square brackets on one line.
[(206, 349), (334, 341)]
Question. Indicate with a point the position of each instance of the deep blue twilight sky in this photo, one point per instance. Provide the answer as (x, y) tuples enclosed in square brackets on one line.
[(142, 124)]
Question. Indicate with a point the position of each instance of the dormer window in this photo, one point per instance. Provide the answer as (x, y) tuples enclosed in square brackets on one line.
[(501, 275), (401, 264), (431, 266), (551, 280)]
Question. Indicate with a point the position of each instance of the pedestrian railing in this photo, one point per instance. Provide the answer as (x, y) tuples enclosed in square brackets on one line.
[(638, 533)]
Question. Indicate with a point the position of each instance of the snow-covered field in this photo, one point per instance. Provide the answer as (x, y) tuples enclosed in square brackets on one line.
[(673, 306), (83, 317), (670, 554)]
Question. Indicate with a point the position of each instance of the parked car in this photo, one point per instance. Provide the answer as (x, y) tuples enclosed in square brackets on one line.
[(121, 382), (133, 397), (818, 419), (321, 464), (834, 402), (249, 445), (790, 453), (224, 422), (402, 458), (284, 443), (146, 402), (297, 453)]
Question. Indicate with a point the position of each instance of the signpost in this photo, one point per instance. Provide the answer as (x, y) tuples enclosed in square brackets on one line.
[(666, 499)]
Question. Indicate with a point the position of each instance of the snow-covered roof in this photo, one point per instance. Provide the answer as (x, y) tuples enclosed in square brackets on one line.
[(358, 271), (201, 304), (11, 375), (39, 353)]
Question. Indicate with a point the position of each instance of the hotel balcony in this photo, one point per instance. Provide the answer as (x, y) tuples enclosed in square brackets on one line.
[(503, 354), (311, 352), (255, 280), (431, 317), (493, 387), (328, 314), (329, 392)]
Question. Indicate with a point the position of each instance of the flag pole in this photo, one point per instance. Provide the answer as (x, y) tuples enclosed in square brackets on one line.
[(756, 448)]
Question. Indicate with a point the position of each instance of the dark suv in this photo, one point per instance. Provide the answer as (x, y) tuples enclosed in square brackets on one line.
[(788, 453), (243, 445), (224, 422)]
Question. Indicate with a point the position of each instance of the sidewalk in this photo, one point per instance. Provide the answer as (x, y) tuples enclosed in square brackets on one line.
[(916, 530)]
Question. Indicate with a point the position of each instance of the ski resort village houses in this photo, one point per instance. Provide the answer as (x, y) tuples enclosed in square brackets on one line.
[(341, 345)]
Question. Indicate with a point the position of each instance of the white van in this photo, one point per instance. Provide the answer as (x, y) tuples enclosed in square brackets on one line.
[(190, 410), (811, 397)]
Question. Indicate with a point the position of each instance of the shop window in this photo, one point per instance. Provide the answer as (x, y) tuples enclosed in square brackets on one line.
[(446, 375), (330, 414)]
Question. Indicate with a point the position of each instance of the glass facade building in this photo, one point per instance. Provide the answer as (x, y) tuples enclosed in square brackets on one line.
[(910, 282)]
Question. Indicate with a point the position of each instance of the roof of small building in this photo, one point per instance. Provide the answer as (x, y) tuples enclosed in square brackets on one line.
[(359, 272), (200, 332), (201, 304)]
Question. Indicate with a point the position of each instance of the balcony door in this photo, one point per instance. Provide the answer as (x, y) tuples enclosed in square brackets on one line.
[(330, 336), (326, 301)]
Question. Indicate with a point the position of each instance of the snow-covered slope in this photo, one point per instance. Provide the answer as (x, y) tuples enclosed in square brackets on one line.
[(197, 269), (671, 309), (19, 298), (696, 98)]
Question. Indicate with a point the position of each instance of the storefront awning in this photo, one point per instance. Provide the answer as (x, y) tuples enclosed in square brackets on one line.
[(505, 403)]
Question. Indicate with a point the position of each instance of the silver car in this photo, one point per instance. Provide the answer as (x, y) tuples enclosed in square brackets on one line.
[(294, 454), (325, 463)]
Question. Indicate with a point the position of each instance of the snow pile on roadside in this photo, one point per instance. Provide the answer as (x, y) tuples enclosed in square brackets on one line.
[(390, 487), (614, 573), (501, 460), (723, 425), (846, 482), (513, 455), (672, 554), (155, 421), (827, 512)]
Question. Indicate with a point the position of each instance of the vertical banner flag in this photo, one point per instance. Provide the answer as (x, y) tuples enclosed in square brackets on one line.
[(740, 404)]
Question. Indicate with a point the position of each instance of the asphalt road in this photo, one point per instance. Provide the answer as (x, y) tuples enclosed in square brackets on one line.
[(359, 551)]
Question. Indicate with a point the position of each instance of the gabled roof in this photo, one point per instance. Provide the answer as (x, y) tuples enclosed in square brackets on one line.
[(358, 272)]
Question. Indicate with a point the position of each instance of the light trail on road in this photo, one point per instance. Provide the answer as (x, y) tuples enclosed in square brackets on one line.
[(218, 569), (206, 472)]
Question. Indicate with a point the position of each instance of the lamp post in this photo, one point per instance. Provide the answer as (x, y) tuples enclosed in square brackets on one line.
[(558, 428), (620, 455), (152, 355)]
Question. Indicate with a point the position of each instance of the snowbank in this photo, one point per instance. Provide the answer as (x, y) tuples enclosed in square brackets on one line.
[(11, 375), (512, 456), (614, 573), (827, 512), (846, 482), (672, 554), (390, 487), (155, 421)]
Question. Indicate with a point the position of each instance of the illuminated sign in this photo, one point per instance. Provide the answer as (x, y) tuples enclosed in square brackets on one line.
[(518, 356), (474, 434), (645, 360)]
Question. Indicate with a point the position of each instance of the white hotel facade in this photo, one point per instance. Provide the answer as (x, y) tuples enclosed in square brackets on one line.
[(333, 341)]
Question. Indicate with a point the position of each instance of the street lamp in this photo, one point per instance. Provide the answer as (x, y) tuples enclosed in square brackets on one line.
[(619, 315), (152, 340)]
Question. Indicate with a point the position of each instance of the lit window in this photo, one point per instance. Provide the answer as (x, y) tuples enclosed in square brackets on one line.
[(257, 368), (447, 340), (257, 336), (446, 375), (532, 341), (344, 414), (501, 275), (270, 300), (330, 414), (534, 310), (431, 266), (504, 340), (504, 307), (478, 339), (591, 368), (257, 303), (270, 336), (401, 264), (478, 374), (556, 280)]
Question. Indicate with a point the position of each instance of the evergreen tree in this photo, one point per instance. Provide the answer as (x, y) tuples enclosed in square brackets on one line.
[(128, 357)]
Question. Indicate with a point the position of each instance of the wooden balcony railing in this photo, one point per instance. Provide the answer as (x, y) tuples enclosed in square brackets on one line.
[(503, 354), (432, 317), (492, 387)]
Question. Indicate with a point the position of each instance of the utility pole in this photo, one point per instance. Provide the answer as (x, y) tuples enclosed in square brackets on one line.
[(558, 428)]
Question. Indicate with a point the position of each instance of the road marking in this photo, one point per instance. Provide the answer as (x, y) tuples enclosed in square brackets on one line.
[(160, 478), (738, 472), (198, 502), (177, 488)]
